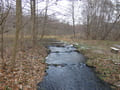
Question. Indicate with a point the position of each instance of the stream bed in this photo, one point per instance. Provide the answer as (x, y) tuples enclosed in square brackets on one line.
[(67, 71)]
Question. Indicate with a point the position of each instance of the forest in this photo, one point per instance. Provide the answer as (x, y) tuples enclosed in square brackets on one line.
[(93, 26)]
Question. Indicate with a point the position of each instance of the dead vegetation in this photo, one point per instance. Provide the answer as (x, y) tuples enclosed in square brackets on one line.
[(106, 64), (106, 68), (97, 22), (29, 69)]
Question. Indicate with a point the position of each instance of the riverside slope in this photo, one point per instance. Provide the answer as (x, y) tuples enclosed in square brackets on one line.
[(67, 71)]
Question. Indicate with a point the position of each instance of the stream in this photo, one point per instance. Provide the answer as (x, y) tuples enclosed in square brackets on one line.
[(67, 70)]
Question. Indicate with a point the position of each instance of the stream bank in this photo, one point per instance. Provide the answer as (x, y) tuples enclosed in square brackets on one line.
[(67, 70)]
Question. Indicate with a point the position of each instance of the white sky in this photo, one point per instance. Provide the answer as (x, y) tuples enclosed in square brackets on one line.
[(61, 9)]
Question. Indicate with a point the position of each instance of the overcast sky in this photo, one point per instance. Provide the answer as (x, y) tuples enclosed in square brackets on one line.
[(61, 9)]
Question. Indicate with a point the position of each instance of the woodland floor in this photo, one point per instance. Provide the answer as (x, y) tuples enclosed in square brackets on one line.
[(29, 69)]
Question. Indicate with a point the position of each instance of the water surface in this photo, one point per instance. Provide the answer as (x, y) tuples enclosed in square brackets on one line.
[(67, 71)]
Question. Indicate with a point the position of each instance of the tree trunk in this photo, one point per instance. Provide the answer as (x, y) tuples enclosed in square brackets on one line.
[(22, 37), (33, 19), (18, 28), (73, 18), (2, 46), (3, 17)]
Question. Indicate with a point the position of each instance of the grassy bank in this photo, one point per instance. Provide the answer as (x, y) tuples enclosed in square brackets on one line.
[(106, 64)]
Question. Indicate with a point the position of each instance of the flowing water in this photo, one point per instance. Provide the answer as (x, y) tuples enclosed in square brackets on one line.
[(67, 71)]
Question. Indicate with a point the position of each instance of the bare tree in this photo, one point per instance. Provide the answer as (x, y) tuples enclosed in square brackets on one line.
[(33, 19), (100, 19), (18, 28), (45, 20), (4, 11), (73, 17)]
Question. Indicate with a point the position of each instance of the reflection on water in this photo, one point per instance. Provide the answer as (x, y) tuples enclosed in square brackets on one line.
[(67, 71)]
